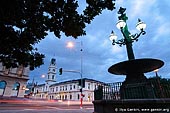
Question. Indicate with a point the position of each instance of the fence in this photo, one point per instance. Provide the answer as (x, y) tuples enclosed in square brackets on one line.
[(153, 88), (110, 91)]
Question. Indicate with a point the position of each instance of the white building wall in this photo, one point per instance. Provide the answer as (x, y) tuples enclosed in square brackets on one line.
[(69, 90)]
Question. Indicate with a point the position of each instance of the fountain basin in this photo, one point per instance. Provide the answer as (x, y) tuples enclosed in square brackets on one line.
[(135, 66)]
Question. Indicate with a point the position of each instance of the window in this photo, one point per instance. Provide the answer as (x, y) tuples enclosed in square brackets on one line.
[(16, 86), (88, 85), (52, 76), (66, 87), (70, 97), (43, 88), (37, 91), (2, 87), (56, 89), (78, 96), (74, 86), (70, 87), (2, 84)]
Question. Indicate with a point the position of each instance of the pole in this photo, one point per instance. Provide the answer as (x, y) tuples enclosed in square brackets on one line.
[(81, 70), (126, 34), (32, 85), (128, 43)]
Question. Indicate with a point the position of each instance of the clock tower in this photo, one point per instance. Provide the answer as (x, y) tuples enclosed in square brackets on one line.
[(52, 72)]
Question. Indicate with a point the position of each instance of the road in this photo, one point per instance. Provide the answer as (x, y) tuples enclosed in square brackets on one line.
[(44, 107)]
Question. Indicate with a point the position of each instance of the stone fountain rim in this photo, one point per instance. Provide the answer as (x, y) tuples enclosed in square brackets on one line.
[(143, 65)]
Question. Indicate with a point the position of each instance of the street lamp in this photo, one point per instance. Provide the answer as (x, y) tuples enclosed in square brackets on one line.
[(128, 37), (71, 45)]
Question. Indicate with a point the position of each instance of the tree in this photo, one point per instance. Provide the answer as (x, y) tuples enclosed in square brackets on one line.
[(23, 23)]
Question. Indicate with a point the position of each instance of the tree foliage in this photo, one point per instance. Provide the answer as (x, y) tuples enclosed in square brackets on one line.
[(23, 23)]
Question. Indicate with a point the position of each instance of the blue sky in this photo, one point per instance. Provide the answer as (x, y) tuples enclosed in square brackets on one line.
[(98, 52)]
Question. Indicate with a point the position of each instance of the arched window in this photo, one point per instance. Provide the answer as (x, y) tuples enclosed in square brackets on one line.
[(16, 86), (15, 89), (2, 87)]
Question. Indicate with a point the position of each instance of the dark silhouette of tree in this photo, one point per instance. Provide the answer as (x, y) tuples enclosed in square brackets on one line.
[(23, 23)]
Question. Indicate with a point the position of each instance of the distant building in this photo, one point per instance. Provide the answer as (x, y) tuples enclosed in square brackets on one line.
[(13, 81), (67, 90), (30, 89)]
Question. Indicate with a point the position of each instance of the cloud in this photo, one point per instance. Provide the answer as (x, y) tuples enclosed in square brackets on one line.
[(98, 52)]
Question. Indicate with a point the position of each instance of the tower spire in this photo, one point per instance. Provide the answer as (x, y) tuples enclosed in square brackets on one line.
[(51, 77)]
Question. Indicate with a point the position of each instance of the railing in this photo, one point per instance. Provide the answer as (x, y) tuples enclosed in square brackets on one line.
[(161, 88), (153, 88), (108, 91), (112, 91)]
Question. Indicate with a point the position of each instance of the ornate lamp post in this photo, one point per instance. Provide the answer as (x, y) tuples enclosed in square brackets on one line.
[(128, 37), (134, 69)]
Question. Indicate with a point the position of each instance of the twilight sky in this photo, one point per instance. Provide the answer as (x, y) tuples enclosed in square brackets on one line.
[(99, 54)]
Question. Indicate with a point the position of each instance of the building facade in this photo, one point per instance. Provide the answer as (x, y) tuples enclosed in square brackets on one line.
[(67, 90), (13, 81)]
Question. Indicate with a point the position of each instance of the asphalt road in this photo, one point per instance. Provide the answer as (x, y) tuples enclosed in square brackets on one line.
[(45, 107), (47, 111)]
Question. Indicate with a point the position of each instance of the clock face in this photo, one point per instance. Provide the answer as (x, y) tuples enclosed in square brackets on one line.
[(53, 61)]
